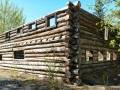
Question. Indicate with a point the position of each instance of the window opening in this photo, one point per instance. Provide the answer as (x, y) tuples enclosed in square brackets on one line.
[(100, 56), (32, 26), (51, 20), (0, 56), (19, 54), (114, 56), (7, 35), (19, 30), (108, 55), (89, 55)]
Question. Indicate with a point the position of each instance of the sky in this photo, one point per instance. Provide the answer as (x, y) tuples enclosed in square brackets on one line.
[(34, 9)]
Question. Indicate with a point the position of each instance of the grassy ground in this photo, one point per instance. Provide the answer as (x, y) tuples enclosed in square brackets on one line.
[(10, 80)]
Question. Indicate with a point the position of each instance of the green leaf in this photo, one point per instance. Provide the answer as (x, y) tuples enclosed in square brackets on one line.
[(11, 16)]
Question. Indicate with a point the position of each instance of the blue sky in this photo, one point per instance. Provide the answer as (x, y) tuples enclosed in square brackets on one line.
[(34, 9)]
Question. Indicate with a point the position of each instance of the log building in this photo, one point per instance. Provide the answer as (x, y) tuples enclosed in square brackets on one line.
[(67, 40)]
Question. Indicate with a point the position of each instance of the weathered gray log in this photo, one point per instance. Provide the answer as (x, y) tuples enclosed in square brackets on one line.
[(54, 49), (2, 53), (77, 4), (43, 41), (76, 66), (76, 81), (65, 18), (74, 47), (76, 42), (72, 73), (2, 35), (71, 52), (95, 42), (76, 35), (7, 55), (70, 4), (58, 69), (6, 50), (76, 25), (42, 34), (75, 15), (90, 34), (83, 23), (47, 45), (46, 54), (88, 15), (53, 31), (13, 31), (36, 41), (44, 37), (40, 21), (74, 60), (6, 59), (64, 23), (91, 42), (61, 15), (69, 17), (68, 68), (93, 47), (2, 39), (18, 48), (25, 30), (75, 71), (40, 46), (48, 58), (39, 60), (54, 64), (36, 73), (41, 25), (68, 11), (98, 34), (25, 27), (12, 35)]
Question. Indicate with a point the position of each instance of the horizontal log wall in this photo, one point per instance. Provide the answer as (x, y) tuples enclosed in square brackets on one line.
[(62, 47), (45, 47), (92, 39)]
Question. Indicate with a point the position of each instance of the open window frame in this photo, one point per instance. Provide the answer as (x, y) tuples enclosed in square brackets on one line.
[(48, 21)]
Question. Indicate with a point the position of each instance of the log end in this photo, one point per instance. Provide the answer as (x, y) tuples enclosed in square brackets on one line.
[(76, 81), (77, 4)]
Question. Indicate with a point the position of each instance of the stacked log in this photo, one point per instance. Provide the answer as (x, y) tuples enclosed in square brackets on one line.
[(92, 38), (45, 48), (60, 48), (73, 72)]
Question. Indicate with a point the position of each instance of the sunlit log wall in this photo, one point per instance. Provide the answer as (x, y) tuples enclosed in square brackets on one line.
[(39, 46), (58, 41)]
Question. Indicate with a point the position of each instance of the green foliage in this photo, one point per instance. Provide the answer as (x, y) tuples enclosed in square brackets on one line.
[(52, 71), (111, 19), (13, 71), (10, 16), (105, 80), (112, 43), (99, 9)]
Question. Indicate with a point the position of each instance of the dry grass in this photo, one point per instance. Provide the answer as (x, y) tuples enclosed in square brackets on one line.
[(25, 81)]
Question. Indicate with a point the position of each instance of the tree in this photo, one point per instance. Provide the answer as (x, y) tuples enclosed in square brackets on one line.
[(99, 9), (111, 19), (10, 16)]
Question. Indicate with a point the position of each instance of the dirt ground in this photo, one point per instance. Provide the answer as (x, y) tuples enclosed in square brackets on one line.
[(10, 80)]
